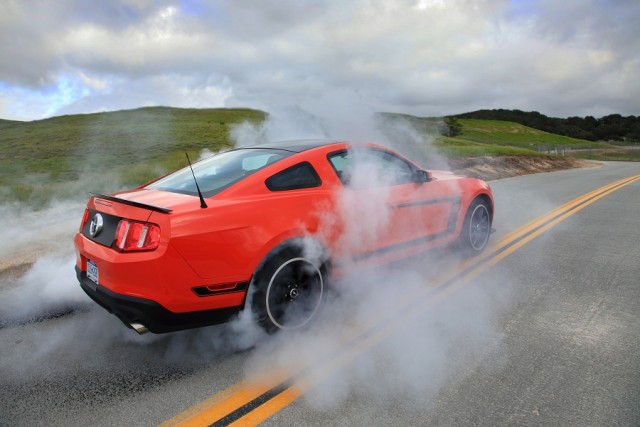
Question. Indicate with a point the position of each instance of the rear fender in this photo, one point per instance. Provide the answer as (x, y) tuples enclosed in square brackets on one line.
[(308, 246)]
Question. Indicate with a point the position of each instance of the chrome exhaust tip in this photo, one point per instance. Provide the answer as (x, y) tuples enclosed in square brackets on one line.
[(139, 328)]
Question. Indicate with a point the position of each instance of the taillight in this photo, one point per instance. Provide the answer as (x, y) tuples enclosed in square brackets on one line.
[(85, 218), (136, 236)]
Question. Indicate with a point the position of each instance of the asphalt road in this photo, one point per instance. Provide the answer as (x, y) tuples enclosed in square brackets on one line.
[(548, 335)]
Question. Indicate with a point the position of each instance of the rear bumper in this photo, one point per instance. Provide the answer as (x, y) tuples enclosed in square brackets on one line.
[(149, 313)]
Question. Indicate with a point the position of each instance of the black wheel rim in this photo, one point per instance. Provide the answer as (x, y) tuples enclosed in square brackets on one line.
[(479, 228), (294, 293)]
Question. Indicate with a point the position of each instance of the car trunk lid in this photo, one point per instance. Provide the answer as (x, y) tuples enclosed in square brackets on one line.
[(106, 211)]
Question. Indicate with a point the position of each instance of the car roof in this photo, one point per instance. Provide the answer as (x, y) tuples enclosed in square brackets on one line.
[(295, 146)]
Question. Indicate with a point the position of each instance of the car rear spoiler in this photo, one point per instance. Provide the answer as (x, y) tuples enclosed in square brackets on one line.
[(131, 203)]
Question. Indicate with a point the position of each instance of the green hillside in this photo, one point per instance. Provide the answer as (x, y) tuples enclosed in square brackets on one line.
[(60, 156), (489, 137), (494, 137), (68, 156), (66, 144), (613, 127), (6, 123)]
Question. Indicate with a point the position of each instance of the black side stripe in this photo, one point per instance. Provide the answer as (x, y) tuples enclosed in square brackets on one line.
[(452, 199), (401, 245)]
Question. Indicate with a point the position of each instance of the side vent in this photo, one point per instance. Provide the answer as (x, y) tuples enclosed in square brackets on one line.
[(220, 288)]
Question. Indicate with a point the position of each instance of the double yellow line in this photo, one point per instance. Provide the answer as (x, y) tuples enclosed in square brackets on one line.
[(251, 402)]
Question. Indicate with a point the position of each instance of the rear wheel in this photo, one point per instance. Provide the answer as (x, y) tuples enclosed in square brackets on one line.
[(289, 290), (476, 228)]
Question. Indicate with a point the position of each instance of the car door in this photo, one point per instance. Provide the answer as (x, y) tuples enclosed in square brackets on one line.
[(393, 206)]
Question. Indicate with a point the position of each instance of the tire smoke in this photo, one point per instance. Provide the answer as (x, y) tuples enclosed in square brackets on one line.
[(417, 358), (440, 345)]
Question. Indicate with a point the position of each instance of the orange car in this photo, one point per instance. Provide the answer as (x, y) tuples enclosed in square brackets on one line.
[(267, 226)]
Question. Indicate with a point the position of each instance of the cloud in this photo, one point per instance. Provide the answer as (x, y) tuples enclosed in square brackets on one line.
[(177, 90), (423, 57)]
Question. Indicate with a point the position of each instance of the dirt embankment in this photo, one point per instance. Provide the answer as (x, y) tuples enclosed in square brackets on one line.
[(488, 168)]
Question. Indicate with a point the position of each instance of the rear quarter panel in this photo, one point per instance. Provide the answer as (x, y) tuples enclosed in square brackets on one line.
[(228, 240)]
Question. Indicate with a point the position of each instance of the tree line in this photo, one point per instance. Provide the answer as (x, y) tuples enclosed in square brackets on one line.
[(613, 127)]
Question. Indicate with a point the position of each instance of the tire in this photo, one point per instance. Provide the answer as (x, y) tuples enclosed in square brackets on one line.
[(476, 228), (289, 290)]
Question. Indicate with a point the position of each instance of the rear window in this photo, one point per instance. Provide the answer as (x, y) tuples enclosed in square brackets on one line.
[(219, 172), (302, 175)]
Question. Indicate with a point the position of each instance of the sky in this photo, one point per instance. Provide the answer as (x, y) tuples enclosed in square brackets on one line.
[(422, 57)]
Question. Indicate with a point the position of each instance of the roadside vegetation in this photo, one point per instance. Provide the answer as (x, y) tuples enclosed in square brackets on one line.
[(65, 157)]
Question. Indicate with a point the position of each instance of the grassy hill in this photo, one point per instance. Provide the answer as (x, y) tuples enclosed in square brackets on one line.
[(6, 123), (68, 156), (490, 137), (494, 137), (63, 145), (59, 156), (613, 127)]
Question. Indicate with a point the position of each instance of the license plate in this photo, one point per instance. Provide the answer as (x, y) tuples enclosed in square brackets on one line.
[(92, 271)]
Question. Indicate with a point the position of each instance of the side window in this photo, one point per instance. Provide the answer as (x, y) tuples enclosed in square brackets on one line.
[(394, 169), (340, 162), (370, 167), (302, 175)]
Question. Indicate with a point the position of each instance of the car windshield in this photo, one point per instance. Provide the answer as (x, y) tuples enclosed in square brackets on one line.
[(219, 172)]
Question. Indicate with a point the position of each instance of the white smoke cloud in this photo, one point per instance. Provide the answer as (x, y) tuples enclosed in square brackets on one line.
[(420, 356), (27, 234), (285, 123)]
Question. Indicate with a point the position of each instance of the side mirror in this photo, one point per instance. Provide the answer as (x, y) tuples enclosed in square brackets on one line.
[(420, 176)]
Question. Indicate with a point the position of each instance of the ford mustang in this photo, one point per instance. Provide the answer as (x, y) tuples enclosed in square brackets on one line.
[(267, 227)]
